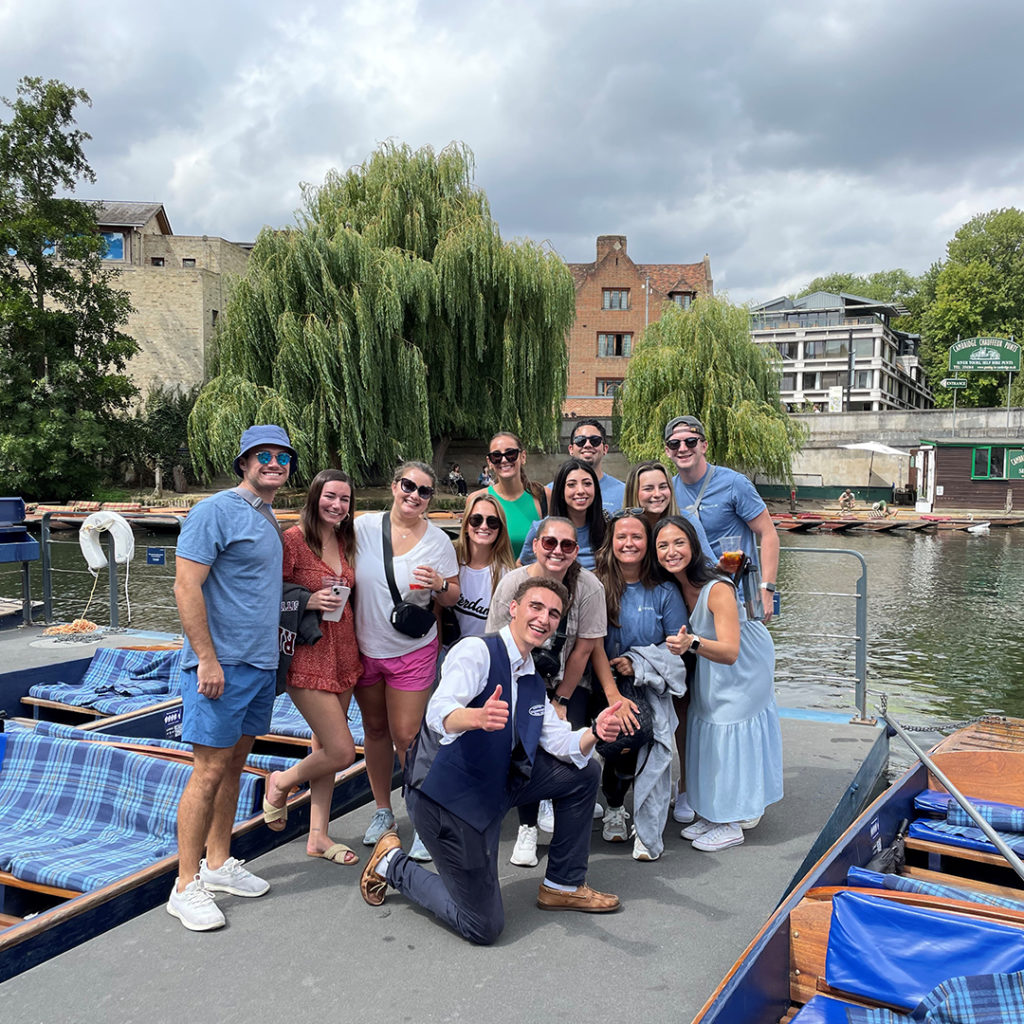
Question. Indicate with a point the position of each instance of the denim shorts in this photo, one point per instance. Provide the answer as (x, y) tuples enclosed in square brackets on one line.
[(243, 709)]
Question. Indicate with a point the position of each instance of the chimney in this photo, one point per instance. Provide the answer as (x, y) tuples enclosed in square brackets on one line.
[(610, 244)]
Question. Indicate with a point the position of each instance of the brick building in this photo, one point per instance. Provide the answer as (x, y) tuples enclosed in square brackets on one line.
[(178, 285), (615, 299)]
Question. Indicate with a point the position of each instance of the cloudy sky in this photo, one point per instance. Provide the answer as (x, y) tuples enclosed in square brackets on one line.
[(786, 140)]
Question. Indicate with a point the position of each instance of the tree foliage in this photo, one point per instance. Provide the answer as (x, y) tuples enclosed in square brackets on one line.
[(61, 348), (701, 362), (884, 285), (978, 291), (390, 317)]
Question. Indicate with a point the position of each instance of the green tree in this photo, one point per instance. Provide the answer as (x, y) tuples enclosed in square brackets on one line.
[(61, 349), (884, 285), (392, 317), (701, 362), (978, 291), (155, 437)]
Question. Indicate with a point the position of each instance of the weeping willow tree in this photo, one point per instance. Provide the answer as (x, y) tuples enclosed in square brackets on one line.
[(391, 318), (701, 362)]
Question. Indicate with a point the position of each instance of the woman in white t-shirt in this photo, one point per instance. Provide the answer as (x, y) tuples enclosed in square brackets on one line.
[(484, 555), (398, 670)]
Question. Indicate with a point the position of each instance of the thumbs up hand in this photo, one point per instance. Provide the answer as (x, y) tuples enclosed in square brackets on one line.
[(493, 716)]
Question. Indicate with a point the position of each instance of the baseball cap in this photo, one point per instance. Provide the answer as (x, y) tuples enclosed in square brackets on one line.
[(684, 421), (264, 433)]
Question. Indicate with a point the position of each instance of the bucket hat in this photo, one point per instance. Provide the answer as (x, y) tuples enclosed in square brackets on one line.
[(264, 433)]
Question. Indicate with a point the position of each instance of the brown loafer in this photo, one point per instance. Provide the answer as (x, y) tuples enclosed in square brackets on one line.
[(371, 885), (582, 898)]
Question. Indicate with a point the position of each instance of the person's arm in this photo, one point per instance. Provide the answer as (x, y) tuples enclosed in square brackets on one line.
[(560, 740), (189, 578), (463, 677), (603, 670), (725, 648), (491, 717), (764, 530), (575, 665)]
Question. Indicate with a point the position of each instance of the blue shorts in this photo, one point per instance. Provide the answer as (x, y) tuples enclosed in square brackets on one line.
[(243, 709)]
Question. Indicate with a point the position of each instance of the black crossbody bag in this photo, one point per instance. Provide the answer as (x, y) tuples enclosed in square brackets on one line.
[(407, 618)]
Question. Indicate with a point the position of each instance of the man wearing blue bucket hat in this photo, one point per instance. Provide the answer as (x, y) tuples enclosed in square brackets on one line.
[(228, 589)]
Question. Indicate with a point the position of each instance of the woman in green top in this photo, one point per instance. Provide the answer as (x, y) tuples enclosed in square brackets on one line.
[(522, 502)]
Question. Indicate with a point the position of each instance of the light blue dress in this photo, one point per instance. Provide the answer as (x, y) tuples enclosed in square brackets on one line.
[(733, 736)]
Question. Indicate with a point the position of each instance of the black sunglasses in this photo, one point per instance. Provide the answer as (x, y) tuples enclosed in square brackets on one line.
[(409, 487), (476, 521), (595, 440), (691, 442), (627, 513), (508, 455), (550, 543)]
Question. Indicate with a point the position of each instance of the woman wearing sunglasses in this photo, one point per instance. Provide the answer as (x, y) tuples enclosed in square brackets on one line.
[(734, 741), (575, 495), (522, 502), (642, 612), (569, 650), (484, 556), (398, 669), (321, 675)]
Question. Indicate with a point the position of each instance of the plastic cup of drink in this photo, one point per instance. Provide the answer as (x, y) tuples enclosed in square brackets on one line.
[(731, 547)]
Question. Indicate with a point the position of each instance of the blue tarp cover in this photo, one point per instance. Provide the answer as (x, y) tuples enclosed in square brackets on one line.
[(896, 954)]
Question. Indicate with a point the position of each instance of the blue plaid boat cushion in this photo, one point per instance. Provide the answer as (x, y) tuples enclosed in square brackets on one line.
[(864, 878), (288, 720), (967, 999), (962, 835), (1002, 817)]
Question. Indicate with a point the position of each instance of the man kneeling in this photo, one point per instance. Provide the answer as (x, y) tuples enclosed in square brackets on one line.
[(474, 759)]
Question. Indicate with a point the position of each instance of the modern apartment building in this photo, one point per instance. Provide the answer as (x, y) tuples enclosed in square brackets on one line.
[(615, 300), (178, 285), (840, 353)]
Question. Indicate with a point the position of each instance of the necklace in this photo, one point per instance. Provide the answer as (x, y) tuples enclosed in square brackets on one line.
[(407, 532)]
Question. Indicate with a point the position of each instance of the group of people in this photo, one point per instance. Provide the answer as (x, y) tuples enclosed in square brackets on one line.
[(594, 614)]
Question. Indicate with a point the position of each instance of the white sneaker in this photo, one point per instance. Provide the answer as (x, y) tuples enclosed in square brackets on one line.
[(683, 812), (418, 850), (194, 907), (546, 816), (750, 822), (598, 811), (614, 830), (697, 829), (721, 837), (233, 878), (640, 852), (524, 854)]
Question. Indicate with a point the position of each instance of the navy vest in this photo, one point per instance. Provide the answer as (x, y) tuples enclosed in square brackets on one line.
[(471, 776)]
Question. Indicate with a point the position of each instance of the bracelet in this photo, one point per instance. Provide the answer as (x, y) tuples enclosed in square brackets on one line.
[(593, 729)]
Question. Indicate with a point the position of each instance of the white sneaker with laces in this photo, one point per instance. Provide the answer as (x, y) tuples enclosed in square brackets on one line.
[(640, 852), (233, 878), (721, 837), (614, 829), (194, 907), (546, 816), (683, 812), (524, 854), (598, 811), (750, 822), (697, 829)]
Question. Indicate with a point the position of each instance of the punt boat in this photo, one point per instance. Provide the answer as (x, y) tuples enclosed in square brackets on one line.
[(906, 898)]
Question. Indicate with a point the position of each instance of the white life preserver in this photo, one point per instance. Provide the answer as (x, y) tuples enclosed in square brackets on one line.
[(120, 534)]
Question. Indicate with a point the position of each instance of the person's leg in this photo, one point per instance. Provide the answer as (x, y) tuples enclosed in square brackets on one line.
[(196, 807), (377, 746), (464, 893), (617, 776), (218, 836), (405, 715)]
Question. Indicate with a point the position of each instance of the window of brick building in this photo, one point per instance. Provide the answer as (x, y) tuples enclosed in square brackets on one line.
[(608, 386), (213, 317), (615, 345), (156, 261), (681, 299), (616, 298), (188, 261)]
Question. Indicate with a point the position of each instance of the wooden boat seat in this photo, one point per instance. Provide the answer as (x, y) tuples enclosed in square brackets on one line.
[(942, 850), (56, 705), (6, 878)]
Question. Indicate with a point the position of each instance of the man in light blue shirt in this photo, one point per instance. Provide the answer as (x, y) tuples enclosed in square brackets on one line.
[(589, 442)]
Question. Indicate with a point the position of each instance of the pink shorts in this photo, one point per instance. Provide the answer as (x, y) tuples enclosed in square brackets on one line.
[(413, 671)]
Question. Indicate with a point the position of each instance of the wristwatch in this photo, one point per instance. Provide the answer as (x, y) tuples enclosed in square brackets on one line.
[(770, 587), (557, 698), (444, 587), (695, 644)]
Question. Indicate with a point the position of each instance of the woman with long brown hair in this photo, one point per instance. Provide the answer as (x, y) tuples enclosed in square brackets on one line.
[(319, 555)]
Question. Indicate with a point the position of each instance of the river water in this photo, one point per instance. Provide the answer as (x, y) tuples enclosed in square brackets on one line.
[(945, 616)]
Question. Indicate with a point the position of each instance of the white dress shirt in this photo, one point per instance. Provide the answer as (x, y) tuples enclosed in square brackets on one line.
[(464, 675)]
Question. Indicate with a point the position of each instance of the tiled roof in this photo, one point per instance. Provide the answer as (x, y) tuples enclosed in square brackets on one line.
[(131, 215)]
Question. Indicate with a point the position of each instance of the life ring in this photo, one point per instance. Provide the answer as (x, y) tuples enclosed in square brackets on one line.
[(120, 534)]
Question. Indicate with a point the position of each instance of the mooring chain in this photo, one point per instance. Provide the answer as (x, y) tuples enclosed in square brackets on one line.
[(935, 726)]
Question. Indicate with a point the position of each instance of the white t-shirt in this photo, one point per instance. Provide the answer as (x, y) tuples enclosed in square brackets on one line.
[(474, 599), (376, 636)]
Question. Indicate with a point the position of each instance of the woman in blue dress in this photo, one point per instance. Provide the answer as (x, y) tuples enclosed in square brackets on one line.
[(733, 740)]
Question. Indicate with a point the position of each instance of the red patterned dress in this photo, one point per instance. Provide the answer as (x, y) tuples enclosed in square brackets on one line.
[(332, 663)]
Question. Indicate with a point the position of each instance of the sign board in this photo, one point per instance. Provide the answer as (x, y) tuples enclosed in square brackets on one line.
[(835, 398), (990, 355), (1015, 464), (954, 382), (155, 556)]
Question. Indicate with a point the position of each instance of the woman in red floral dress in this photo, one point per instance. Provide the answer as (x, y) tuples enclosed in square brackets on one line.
[(318, 553)]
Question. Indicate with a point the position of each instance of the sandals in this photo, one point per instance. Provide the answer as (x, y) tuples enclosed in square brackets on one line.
[(275, 818), (339, 853)]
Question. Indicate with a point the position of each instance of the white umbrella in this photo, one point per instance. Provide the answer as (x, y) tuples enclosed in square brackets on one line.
[(881, 449)]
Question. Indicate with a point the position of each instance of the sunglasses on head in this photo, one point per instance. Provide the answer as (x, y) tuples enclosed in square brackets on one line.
[(266, 458), (673, 443), (409, 487), (508, 455), (476, 520), (550, 543), (627, 513), (594, 440)]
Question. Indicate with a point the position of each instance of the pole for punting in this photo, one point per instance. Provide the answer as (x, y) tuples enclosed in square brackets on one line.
[(990, 832)]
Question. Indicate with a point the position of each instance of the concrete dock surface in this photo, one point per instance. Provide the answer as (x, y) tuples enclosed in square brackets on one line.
[(312, 950)]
